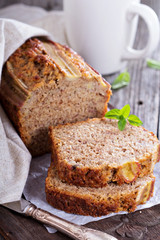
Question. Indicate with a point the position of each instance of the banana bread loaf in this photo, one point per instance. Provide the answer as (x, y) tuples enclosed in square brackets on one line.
[(45, 83), (97, 201), (95, 152)]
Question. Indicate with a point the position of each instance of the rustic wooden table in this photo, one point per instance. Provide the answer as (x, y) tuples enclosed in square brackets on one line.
[(143, 95)]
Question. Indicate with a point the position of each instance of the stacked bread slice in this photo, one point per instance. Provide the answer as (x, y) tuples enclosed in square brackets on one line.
[(97, 169)]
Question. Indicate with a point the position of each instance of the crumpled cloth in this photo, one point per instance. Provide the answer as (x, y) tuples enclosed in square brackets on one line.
[(14, 156)]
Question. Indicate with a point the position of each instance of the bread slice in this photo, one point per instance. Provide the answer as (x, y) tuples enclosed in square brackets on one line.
[(95, 152), (45, 83), (97, 201)]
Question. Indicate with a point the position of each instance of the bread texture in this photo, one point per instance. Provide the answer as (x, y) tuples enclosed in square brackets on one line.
[(97, 201), (95, 152), (45, 83)]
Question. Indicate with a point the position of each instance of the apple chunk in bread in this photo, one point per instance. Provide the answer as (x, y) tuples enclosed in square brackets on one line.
[(129, 171), (146, 192), (95, 152)]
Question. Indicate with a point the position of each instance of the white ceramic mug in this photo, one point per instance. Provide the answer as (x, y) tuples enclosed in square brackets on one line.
[(103, 31)]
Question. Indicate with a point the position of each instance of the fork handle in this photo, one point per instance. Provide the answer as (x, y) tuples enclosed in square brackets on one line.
[(72, 230)]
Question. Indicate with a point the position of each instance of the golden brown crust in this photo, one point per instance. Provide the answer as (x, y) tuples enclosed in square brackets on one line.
[(51, 57), (99, 176), (81, 206), (73, 202), (36, 64), (158, 155)]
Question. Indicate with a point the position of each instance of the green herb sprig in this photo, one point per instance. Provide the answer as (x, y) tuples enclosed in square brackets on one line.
[(122, 115), (123, 79), (153, 63)]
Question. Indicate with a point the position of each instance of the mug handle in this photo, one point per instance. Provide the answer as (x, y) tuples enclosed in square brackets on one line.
[(151, 19)]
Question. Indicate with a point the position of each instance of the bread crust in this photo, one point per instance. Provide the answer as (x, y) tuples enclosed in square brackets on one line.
[(98, 176), (72, 201), (36, 64)]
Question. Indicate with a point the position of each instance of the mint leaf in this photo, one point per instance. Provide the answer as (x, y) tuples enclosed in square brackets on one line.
[(125, 111), (114, 114), (134, 120), (153, 63), (122, 116), (122, 123), (122, 80)]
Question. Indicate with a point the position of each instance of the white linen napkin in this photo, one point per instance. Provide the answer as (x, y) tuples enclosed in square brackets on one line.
[(14, 157)]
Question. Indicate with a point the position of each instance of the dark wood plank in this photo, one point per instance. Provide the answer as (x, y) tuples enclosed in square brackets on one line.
[(143, 93), (14, 226), (140, 225)]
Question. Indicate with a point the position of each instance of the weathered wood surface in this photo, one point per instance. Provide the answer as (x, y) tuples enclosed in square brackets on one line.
[(140, 225), (143, 94)]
